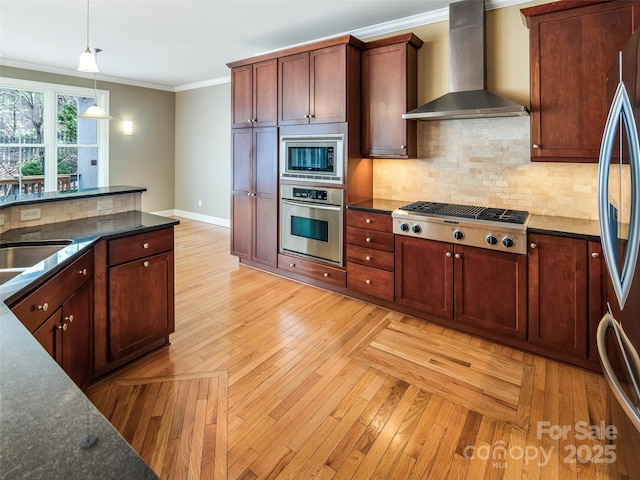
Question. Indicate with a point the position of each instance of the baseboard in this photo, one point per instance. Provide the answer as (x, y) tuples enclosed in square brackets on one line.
[(222, 222)]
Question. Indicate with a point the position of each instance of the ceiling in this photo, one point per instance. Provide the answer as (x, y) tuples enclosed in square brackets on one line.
[(178, 44)]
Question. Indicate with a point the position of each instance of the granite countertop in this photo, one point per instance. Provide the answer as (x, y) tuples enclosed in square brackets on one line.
[(43, 415), (547, 224), (34, 198)]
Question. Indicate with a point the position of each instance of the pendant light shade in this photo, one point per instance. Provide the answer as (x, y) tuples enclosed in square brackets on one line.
[(88, 62), (95, 111)]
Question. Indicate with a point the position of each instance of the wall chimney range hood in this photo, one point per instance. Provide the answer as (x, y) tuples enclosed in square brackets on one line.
[(468, 96)]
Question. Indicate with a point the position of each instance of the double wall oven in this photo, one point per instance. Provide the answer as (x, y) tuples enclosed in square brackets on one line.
[(311, 213)]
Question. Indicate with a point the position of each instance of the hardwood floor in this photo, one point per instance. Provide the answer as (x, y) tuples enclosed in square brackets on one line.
[(269, 378)]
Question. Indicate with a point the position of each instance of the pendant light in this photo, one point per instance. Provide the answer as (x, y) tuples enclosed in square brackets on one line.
[(88, 61), (95, 111)]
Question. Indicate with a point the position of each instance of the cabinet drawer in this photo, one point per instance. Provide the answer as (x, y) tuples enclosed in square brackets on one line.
[(44, 300), (370, 221), (369, 257), (370, 281), (370, 239), (130, 248), (318, 271)]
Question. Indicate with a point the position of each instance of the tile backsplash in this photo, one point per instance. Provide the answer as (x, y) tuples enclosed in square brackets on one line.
[(486, 162)]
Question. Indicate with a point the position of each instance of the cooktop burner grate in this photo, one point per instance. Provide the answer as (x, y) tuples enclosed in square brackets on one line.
[(468, 211)]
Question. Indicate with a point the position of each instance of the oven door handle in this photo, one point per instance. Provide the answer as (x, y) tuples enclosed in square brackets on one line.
[(631, 361), (331, 208)]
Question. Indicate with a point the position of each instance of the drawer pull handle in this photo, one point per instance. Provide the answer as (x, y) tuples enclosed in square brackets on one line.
[(44, 307), (367, 281), (368, 258), (368, 220), (145, 245), (368, 239), (292, 265), (325, 275), (145, 263), (62, 327), (82, 272)]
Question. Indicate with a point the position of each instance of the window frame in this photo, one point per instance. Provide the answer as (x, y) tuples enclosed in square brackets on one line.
[(51, 91)]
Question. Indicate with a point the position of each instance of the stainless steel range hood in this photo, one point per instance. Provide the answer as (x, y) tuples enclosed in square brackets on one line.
[(468, 96)]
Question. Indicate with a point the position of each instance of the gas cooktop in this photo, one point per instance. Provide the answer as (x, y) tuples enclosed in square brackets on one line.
[(483, 227)]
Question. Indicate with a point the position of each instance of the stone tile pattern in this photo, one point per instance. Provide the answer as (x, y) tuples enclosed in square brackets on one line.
[(487, 162)]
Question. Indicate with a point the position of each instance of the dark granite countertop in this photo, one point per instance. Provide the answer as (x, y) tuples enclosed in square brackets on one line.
[(43, 415), (551, 225), (31, 198)]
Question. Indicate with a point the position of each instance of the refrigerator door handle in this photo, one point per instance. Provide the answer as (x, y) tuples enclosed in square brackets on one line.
[(632, 363)]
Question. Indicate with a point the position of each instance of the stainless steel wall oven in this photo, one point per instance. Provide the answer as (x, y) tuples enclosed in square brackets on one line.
[(311, 222)]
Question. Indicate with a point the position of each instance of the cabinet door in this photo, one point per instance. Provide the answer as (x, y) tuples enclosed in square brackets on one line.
[(293, 89), (424, 275), (328, 85), (241, 190), (140, 304), (241, 96), (558, 303), (265, 93), (49, 334), (491, 290), (265, 224), (384, 100), (598, 275), (571, 53), (76, 337)]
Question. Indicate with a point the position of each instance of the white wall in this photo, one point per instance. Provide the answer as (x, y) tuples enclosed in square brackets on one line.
[(203, 154)]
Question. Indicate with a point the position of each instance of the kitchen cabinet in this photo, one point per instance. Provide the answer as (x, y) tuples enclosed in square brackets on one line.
[(558, 293), (254, 95), (59, 313), (370, 254), (135, 300), (312, 272), (390, 89), (313, 86), (254, 194), (597, 294), (470, 286), (572, 46)]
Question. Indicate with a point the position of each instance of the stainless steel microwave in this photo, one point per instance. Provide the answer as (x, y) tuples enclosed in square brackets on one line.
[(313, 158)]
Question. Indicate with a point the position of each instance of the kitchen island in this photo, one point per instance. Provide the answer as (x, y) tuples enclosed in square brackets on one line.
[(44, 416)]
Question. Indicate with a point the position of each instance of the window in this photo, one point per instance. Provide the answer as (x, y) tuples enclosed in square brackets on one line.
[(44, 146)]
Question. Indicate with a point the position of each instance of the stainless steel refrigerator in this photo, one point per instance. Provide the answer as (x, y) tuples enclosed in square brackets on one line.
[(619, 216)]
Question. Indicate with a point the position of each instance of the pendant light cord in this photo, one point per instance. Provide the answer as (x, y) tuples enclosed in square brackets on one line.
[(87, 23)]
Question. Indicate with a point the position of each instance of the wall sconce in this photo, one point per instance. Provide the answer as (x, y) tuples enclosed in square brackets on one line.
[(127, 127)]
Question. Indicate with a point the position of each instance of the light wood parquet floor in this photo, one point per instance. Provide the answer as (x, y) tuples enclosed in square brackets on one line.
[(269, 378)]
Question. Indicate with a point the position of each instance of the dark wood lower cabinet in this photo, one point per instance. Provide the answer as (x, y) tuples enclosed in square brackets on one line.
[(558, 286)]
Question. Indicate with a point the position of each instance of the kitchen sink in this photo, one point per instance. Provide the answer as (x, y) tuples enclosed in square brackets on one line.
[(15, 258)]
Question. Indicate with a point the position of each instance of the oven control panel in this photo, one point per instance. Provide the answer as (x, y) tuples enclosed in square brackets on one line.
[(309, 193)]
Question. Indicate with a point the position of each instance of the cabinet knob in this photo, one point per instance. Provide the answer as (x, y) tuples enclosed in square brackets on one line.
[(325, 275), (44, 307), (367, 281), (368, 239), (402, 147), (307, 115), (62, 327), (368, 258), (145, 263), (595, 255), (292, 265), (69, 319), (533, 245), (145, 245), (457, 255), (535, 145), (250, 120), (448, 254), (368, 220), (82, 272)]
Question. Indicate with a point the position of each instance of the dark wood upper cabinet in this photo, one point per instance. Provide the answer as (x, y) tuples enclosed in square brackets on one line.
[(390, 89), (254, 96), (313, 86), (572, 47)]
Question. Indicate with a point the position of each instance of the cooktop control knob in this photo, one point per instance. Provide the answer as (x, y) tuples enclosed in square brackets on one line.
[(458, 235), (416, 229), (492, 240), (404, 227), (508, 242)]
